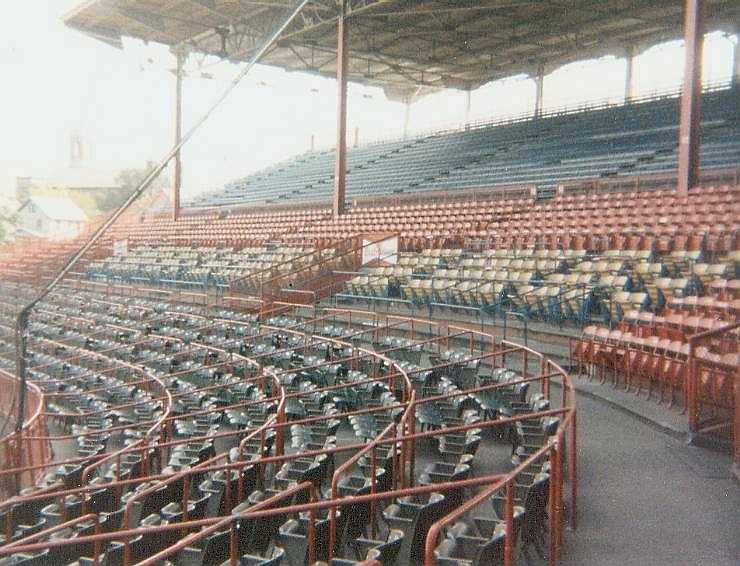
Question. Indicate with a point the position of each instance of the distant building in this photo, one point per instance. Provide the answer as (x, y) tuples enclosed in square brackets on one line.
[(91, 190), (56, 218)]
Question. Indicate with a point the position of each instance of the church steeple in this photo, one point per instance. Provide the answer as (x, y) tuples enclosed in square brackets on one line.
[(76, 150)]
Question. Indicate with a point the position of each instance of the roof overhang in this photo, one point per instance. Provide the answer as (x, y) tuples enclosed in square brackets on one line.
[(401, 45)]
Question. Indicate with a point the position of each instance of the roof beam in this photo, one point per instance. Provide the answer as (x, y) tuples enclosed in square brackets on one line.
[(210, 7), (395, 41), (152, 22)]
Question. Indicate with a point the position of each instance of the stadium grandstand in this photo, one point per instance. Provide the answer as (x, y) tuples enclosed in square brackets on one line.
[(511, 342)]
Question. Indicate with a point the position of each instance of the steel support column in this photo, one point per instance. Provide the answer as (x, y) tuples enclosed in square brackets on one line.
[(177, 174), (629, 79), (688, 140), (340, 169), (736, 59), (539, 82), (467, 106), (406, 118)]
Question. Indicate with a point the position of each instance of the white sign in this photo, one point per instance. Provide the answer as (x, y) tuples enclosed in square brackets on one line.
[(120, 247), (383, 250)]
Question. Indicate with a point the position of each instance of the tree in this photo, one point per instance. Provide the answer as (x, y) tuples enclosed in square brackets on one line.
[(127, 180), (130, 178), (7, 221)]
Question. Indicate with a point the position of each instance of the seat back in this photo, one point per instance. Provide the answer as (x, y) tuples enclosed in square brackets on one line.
[(535, 508), (387, 553)]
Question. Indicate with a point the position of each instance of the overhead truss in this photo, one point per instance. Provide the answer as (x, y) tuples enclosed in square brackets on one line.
[(401, 45)]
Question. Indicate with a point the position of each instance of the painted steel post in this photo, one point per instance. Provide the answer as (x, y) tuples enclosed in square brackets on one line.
[(340, 169), (467, 108), (406, 118), (177, 175), (736, 428), (233, 546), (509, 518), (691, 387), (736, 59), (689, 128), (539, 90), (629, 79), (572, 473)]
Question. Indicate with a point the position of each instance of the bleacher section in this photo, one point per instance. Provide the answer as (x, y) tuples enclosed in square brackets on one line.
[(554, 286), (177, 421), (35, 260), (707, 219), (650, 353), (576, 257), (304, 409), (198, 267), (214, 229), (198, 396), (634, 139)]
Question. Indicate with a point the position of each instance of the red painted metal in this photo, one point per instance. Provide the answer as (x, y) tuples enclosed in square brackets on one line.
[(21, 450), (340, 170), (177, 174), (690, 124), (405, 438), (703, 413)]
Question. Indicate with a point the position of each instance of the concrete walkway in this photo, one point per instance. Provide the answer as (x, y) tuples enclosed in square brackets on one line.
[(648, 498)]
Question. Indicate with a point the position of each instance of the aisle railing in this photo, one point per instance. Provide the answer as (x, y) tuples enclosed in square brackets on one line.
[(434, 336)]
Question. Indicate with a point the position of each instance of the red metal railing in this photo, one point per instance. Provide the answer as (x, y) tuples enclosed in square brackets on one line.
[(713, 386), (405, 439), (701, 368), (22, 449)]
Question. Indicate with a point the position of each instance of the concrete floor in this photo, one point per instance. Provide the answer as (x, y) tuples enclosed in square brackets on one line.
[(647, 498)]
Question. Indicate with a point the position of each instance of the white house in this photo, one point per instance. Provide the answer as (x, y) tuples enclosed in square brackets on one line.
[(56, 218)]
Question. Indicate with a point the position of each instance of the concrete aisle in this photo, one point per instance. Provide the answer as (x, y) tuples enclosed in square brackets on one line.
[(647, 498)]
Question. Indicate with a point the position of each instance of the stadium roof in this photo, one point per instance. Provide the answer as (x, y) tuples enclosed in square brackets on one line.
[(402, 45)]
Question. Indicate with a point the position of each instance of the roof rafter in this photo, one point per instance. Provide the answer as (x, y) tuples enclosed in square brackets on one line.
[(439, 43)]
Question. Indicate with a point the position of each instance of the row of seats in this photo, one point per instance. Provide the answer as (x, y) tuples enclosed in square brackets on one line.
[(30, 260), (651, 353), (634, 139), (552, 285), (186, 267), (111, 367), (705, 221), (220, 229)]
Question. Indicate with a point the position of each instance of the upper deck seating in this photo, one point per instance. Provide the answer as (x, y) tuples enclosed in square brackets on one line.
[(637, 138)]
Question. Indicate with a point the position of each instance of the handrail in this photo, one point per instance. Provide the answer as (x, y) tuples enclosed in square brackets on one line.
[(12, 448), (639, 182), (342, 469), (276, 266), (258, 402), (145, 439), (554, 450), (692, 386), (326, 261), (393, 324), (442, 487)]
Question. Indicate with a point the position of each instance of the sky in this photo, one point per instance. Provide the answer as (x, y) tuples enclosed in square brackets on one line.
[(56, 81)]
